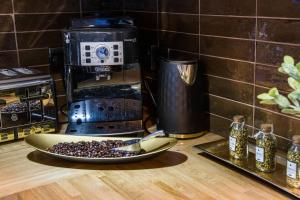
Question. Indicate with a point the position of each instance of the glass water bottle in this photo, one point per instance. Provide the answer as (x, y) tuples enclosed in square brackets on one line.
[(238, 138), (293, 162), (266, 144)]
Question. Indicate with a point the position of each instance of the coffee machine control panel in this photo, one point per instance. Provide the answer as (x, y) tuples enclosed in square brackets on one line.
[(101, 53)]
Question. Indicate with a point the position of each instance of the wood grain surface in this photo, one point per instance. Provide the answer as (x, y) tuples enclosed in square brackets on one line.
[(176, 174)]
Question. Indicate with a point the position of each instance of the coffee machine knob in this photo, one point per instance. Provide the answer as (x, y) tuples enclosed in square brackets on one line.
[(102, 52)]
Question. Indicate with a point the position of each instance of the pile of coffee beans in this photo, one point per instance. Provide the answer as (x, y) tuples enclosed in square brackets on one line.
[(15, 108), (92, 149), (21, 107)]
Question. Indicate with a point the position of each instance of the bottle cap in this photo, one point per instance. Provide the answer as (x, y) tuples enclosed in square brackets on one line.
[(238, 118), (266, 128), (296, 139)]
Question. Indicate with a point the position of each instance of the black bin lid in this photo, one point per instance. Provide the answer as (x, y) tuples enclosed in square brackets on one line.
[(109, 22)]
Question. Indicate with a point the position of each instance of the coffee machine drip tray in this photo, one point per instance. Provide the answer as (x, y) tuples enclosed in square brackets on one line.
[(106, 128)]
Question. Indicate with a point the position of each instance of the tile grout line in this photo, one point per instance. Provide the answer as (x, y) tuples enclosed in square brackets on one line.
[(247, 83), (45, 13), (255, 59), (214, 15), (226, 58), (166, 12), (213, 56), (228, 99), (199, 31), (277, 113), (40, 65), (123, 7), (7, 32), (80, 8), (229, 79), (38, 48), (222, 117), (4, 51), (157, 25), (225, 37), (255, 107), (253, 127), (15, 32)]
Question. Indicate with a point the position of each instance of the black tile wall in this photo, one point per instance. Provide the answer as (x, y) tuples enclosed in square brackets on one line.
[(179, 22), (226, 108), (229, 69), (278, 30), (229, 89), (240, 45), (46, 6), (43, 21), (6, 23), (101, 5), (144, 20), (33, 57), (228, 7), (179, 6), (8, 59), (272, 53), (7, 42), (140, 5), (228, 26), (179, 41), (217, 46), (282, 8), (6, 6), (41, 39), (268, 76)]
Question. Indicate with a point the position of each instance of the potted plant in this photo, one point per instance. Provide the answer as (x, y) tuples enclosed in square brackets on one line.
[(290, 104)]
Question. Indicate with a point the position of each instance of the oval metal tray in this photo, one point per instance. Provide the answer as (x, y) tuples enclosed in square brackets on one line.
[(153, 146)]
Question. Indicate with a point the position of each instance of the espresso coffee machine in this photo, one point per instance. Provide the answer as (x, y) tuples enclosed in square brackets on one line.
[(102, 77)]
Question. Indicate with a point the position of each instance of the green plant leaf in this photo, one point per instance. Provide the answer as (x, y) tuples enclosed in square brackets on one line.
[(281, 70), (293, 83), (287, 68), (289, 111), (273, 92), (289, 60), (291, 71), (297, 109), (268, 102), (265, 96), (298, 66), (282, 101), (295, 94)]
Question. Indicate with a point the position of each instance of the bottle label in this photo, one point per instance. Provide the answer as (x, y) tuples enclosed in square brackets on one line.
[(232, 143), (259, 156), (291, 169)]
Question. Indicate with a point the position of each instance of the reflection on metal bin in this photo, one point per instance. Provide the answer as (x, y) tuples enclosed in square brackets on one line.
[(180, 98), (7, 135)]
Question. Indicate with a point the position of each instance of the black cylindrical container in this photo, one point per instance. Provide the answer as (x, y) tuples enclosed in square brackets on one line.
[(180, 98)]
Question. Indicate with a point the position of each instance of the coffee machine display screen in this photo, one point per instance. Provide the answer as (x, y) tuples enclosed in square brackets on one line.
[(101, 53)]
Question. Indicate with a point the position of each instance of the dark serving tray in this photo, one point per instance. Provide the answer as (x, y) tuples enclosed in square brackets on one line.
[(219, 150)]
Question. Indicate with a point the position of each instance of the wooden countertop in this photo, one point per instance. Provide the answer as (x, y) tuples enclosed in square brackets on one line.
[(176, 174)]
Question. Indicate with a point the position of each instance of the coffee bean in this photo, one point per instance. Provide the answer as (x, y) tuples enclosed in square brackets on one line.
[(92, 149)]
